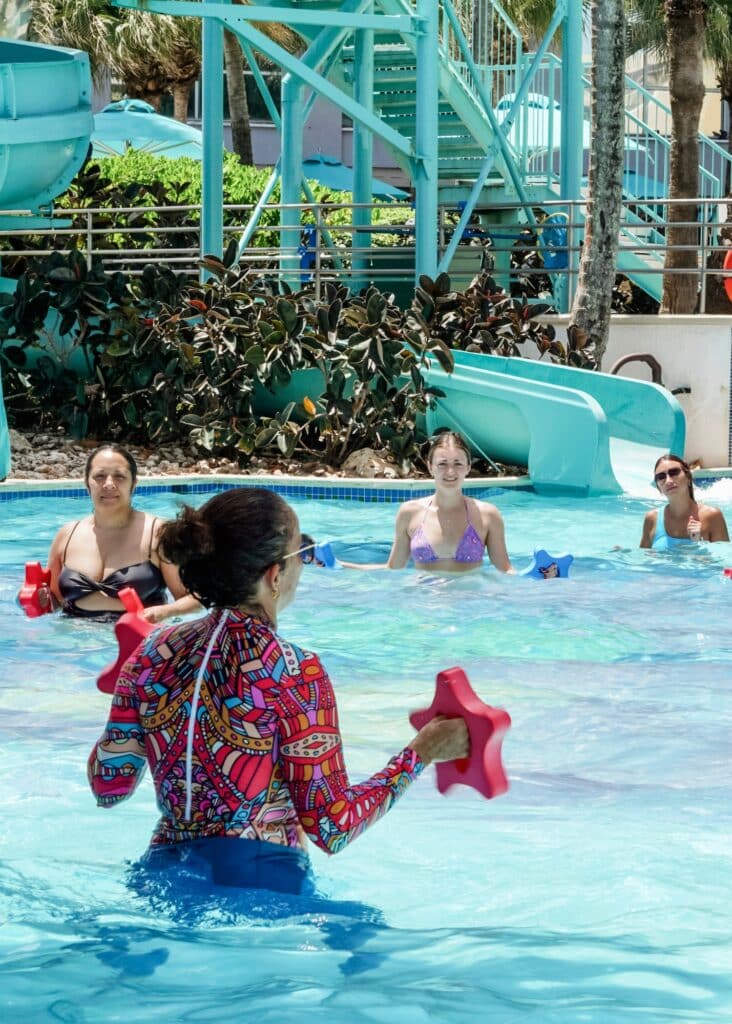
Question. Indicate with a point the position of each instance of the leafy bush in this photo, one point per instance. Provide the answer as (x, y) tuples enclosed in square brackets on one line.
[(484, 319), (171, 360), (166, 359), (153, 190)]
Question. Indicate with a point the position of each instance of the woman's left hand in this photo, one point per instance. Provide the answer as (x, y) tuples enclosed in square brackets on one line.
[(155, 613)]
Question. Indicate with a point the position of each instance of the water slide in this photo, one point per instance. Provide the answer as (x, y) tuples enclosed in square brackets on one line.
[(579, 432), (45, 125)]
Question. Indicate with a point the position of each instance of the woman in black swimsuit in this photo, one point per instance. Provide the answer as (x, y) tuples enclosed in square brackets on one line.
[(92, 559)]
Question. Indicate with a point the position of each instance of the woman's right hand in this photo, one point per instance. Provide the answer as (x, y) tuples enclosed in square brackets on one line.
[(442, 739), (694, 529)]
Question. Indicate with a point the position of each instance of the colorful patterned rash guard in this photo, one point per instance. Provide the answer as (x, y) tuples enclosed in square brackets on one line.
[(242, 743)]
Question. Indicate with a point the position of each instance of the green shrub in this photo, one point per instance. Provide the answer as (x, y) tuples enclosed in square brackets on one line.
[(179, 361)]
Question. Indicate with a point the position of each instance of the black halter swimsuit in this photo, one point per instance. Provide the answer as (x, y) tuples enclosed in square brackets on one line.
[(144, 577)]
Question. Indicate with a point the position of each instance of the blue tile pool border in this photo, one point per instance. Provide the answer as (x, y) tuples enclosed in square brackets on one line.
[(293, 487)]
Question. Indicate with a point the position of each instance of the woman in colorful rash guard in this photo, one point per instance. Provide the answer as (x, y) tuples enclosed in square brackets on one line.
[(240, 727)]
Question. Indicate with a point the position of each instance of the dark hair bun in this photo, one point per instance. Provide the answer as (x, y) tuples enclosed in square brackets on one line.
[(223, 548)]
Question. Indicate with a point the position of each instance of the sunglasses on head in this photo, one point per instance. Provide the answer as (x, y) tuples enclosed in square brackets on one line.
[(306, 552), (670, 473)]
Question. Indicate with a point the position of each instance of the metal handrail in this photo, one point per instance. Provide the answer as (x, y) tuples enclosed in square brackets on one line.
[(391, 263)]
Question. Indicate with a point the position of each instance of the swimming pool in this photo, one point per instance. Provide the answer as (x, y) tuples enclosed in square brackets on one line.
[(596, 890)]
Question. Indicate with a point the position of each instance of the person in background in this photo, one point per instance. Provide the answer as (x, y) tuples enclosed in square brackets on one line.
[(238, 725), (92, 559), (683, 519), (447, 531)]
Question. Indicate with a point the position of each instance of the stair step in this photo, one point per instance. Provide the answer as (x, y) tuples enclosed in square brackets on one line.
[(446, 122), (456, 168)]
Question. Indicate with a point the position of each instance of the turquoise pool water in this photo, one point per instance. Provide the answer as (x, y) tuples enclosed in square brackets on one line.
[(597, 890)]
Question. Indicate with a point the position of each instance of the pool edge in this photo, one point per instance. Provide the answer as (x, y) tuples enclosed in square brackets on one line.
[(306, 486)]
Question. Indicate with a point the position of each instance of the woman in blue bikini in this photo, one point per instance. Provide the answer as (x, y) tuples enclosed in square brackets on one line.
[(447, 532), (684, 520)]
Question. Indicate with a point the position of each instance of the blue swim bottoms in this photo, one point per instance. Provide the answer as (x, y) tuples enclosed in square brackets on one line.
[(243, 863)]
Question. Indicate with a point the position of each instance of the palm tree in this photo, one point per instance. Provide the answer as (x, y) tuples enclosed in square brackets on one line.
[(152, 55), (590, 315), (685, 27), (140, 44), (241, 129), (183, 63), (681, 32), (79, 24)]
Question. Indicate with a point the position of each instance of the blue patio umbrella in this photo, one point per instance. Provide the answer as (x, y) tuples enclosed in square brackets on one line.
[(642, 186), (134, 124), (330, 172)]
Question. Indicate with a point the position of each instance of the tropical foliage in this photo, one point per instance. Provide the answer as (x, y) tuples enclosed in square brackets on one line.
[(147, 198), (163, 359)]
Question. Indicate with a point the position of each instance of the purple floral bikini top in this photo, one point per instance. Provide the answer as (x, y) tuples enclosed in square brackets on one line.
[(470, 546)]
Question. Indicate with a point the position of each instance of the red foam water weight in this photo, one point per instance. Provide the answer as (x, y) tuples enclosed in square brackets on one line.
[(727, 265), (483, 770), (130, 630), (34, 597)]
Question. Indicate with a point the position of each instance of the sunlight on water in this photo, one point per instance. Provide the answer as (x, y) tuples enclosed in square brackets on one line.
[(597, 890)]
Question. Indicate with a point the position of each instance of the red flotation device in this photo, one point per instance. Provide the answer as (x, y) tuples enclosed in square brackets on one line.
[(483, 770), (130, 630), (727, 265), (35, 596)]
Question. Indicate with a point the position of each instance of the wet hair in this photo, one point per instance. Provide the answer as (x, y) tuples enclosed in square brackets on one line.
[(131, 464), (223, 548), (684, 465), (447, 439)]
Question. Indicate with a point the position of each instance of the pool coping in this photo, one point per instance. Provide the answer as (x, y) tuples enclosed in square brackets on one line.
[(316, 487)]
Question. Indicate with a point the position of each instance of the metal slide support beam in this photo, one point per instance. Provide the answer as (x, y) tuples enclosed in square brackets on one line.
[(503, 129), (363, 151), (321, 85), (212, 94), (292, 132), (237, 20), (426, 139), (323, 52), (570, 171), (285, 15), (498, 135)]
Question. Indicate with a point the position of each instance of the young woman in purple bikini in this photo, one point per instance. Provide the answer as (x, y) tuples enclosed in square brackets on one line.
[(447, 532)]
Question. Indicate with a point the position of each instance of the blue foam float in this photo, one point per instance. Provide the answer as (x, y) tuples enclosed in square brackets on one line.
[(324, 553), (546, 567)]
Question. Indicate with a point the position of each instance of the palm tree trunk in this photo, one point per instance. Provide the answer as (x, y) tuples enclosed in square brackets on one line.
[(241, 129), (590, 315), (685, 26), (181, 94)]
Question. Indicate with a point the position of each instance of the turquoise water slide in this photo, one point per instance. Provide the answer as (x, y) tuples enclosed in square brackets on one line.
[(579, 432), (45, 125)]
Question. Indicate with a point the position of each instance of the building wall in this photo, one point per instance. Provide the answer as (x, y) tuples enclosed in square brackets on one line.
[(695, 352)]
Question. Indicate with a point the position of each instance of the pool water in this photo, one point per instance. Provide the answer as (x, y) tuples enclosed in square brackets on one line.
[(597, 890)]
